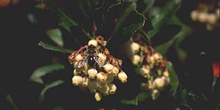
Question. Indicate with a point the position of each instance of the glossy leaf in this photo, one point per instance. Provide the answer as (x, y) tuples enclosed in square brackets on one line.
[(47, 87), (163, 16), (56, 36), (163, 48), (142, 96), (66, 20), (184, 32), (54, 48), (150, 4), (131, 29), (127, 9), (123, 21), (44, 70)]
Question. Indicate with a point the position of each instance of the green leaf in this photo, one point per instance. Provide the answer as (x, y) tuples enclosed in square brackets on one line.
[(150, 4), (163, 48), (128, 21), (139, 98), (44, 70), (54, 48), (131, 29), (176, 40), (66, 20), (174, 81), (127, 9), (47, 87), (56, 36), (163, 16), (9, 98)]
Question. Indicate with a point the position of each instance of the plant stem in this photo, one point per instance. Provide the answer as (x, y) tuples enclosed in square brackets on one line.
[(146, 37)]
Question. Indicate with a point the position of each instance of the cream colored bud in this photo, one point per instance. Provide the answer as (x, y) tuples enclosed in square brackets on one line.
[(202, 17), (102, 57), (159, 83), (92, 72), (77, 80), (155, 94), (136, 59), (112, 88), (166, 73), (78, 57), (145, 70), (150, 85), (75, 65), (93, 42), (104, 90), (122, 76), (212, 19), (194, 15), (151, 60), (135, 47), (101, 76), (115, 71), (166, 80), (108, 67), (92, 86), (85, 81), (76, 72), (98, 96), (157, 56)]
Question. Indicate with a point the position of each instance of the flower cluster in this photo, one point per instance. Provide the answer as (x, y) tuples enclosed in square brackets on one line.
[(95, 68), (152, 66), (207, 15)]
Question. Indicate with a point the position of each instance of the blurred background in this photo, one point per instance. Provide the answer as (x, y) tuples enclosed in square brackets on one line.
[(21, 55)]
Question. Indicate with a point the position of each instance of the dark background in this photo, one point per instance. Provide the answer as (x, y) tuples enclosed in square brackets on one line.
[(20, 55)]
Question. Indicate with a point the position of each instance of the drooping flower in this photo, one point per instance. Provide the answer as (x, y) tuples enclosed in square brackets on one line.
[(95, 68), (151, 63)]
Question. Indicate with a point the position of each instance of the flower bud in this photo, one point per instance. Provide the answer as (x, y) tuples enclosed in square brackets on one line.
[(166, 73), (102, 57), (76, 80), (157, 56), (122, 77), (194, 15), (92, 73), (145, 70), (166, 80), (150, 60), (136, 59), (101, 76), (135, 47), (76, 72), (155, 93), (202, 17), (115, 71), (212, 19), (78, 57), (159, 83), (108, 67), (112, 88), (98, 96), (85, 81), (93, 42)]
